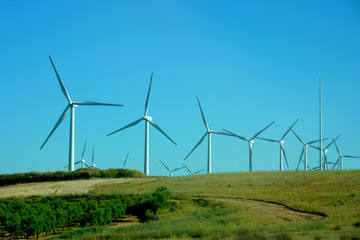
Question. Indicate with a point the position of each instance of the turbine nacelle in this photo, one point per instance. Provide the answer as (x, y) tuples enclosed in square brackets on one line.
[(148, 118), (282, 142), (252, 141)]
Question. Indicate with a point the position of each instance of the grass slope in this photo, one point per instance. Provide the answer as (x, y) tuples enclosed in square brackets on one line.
[(223, 206)]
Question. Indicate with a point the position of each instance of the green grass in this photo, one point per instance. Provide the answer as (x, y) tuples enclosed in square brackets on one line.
[(206, 207)]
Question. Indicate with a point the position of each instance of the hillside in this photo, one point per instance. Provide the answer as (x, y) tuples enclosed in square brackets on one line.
[(257, 205)]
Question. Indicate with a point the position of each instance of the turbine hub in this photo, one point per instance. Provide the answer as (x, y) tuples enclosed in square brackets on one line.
[(306, 145), (325, 150), (148, 118), (252, 141), (282, 141)]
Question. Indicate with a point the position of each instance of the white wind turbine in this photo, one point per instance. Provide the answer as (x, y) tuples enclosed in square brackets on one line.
[(71, 106), (304, 151), (82, 159), (325, 150), (147, 120), (250, 142), (208, 134), (171, 171), (281, 143), (93, 159), (341, 157), (192, 172), (127, 155)]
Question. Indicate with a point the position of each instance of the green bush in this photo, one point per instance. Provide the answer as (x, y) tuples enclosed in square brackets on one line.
[(86, 173)]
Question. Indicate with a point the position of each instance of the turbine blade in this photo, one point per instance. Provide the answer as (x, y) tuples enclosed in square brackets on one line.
[(177, 169), (348, 156), (127, 126), (199, 171), (283, 150), (86, 165), (201, 140), (63, 89), (221, 133), (88, 103), (332, 142), (298, 137), (165, 166), (289, 130), (62, 117), (314, 147), (266, 139), (159, 129), (336, 163), (302, 152), (82, 156), (337, 149), (127, 155), (235, 135), (202, 114), (188, 169), (317, 141), (148, 96), (77, 162), (258, 133)]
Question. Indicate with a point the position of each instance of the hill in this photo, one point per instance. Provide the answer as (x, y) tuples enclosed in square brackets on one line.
[(257, 205)]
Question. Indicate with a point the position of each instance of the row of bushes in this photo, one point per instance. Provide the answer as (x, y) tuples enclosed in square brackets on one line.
[(86, 173), (31, 217)]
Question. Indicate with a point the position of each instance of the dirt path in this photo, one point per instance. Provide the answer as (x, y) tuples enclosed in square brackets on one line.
[(58, 188), (261, 208)]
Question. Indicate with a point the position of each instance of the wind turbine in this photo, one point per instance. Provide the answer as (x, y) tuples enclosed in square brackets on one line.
[(208, 134), (250, 141), (82, 158), (171, 171), (192, 172), (72, 105), (341, 157), (304, 150), (127, 155), (93, 159), (281, 143), (325, 151), (147, 120)]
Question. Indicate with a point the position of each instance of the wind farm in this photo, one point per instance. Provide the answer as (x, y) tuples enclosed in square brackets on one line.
[(183, 120)]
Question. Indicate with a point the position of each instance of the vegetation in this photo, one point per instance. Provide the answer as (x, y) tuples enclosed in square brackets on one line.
[(257, 205), (85, 173)]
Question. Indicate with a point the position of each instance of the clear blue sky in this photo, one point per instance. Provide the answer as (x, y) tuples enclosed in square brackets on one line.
[(249, 62)]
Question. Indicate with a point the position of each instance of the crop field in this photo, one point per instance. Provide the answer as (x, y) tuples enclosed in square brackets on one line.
[(257, 205)]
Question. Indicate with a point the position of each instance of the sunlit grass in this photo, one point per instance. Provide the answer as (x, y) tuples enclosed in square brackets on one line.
[(205, 207)]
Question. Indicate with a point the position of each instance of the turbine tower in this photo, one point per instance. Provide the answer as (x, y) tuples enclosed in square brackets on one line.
[(320, 152), (250, 142), (171, 171), (147, 120), (93, 159), (208, 134), (281, 143), (341, 157), (72, 105), (325, 150), (304, 151)]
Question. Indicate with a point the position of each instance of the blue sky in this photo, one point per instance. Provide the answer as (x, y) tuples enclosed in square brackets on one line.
[(249, 62)]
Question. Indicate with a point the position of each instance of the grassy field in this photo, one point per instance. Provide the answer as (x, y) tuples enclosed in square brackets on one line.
[(258, 205)]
